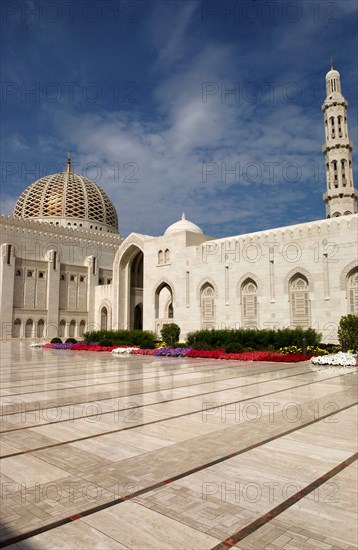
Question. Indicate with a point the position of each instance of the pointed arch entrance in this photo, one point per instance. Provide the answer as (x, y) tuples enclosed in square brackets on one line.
[(131, 302), (163, 305)]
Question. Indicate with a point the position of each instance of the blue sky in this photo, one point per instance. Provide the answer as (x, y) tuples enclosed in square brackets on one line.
[(142, 94)]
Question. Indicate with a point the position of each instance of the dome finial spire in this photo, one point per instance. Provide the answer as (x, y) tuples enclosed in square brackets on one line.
[(332, 66), (69, 162), (183, 216)]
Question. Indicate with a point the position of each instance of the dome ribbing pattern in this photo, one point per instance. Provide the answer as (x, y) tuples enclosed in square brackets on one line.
[(68, 199)]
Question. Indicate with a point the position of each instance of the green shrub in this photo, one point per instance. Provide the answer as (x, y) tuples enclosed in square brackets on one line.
[(105, 342), (181, 345), (348, 331), (121, 337), (56, 341), (201, 346), (255, 339), (233, 348), (71, 341), (170, 333), (147, 343)]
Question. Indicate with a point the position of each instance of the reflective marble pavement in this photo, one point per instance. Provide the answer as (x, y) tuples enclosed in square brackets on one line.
[(135, 452)]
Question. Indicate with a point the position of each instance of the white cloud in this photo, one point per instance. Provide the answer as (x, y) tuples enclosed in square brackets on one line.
[(17, 143)]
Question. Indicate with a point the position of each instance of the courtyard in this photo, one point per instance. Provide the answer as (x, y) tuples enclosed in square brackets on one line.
[(139, 452)]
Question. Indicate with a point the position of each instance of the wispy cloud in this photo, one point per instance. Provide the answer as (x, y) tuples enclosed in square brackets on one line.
[(233, 161)]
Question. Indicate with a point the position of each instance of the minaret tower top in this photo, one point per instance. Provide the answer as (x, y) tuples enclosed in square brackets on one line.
[(333, 81), (340, 197)]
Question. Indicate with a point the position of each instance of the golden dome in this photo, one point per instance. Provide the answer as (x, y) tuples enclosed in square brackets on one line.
[(68, 199)]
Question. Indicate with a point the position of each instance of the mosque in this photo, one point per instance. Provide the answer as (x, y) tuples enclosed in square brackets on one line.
[(65, 268)]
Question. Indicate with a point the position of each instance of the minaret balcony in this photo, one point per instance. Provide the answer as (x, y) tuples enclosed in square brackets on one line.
[(336, 144)]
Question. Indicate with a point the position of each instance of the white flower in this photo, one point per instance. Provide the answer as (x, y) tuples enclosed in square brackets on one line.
[(339, 359), (122, 351), (37, 345)]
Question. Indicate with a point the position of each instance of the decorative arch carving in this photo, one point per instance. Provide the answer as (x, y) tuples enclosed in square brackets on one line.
[(105, 303), (297, 271), (344, 273), (160, 284), (123, 253), (241, 281), (205, 281)]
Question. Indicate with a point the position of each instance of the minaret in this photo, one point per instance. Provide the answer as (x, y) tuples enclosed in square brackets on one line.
[(340, 197), (69, 163)]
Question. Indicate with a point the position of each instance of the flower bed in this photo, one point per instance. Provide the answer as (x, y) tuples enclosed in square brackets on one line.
[(80, 347), (220, 354), (339, 359), (186, 352)]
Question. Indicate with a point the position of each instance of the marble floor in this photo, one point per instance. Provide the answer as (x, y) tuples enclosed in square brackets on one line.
[(106, 452)]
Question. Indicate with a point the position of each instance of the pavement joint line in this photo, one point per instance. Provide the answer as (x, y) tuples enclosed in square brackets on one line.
[(61, 443), (241, 534), (162, 389), (165, 375), (224, 544), (213, 369), (139, 406)]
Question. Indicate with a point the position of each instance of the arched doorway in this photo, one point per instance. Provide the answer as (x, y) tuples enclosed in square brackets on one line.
[(164, 309), (82, 328), (136, 291), (130, 280), (29, 328), (300, 306), (104, 318), (138, 317), (207, 302), (249, 304), (40, 328), (72, 330), (16, 330), (62, 328), (352, 291)]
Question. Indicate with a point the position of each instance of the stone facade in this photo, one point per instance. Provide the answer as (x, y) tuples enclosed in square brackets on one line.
[(63, 272)]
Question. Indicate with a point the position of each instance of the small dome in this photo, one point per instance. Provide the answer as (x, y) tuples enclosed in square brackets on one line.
[(183, 225), (332, 73), (69, 200)]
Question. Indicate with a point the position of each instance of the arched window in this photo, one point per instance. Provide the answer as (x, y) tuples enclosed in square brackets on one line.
[(328, 176), (40, 328), (335, 173), (166, 256), (340, 134), (16, 329), (333, 135), (162, 298), (104, 318), (352, 291), (343, 170), (8, 255), (160, 257), (71, 332), (208, 306), (347, 213), (299, 301), (336, 215), (29, 327), (62, 328), (82, 328), (249, 303)]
